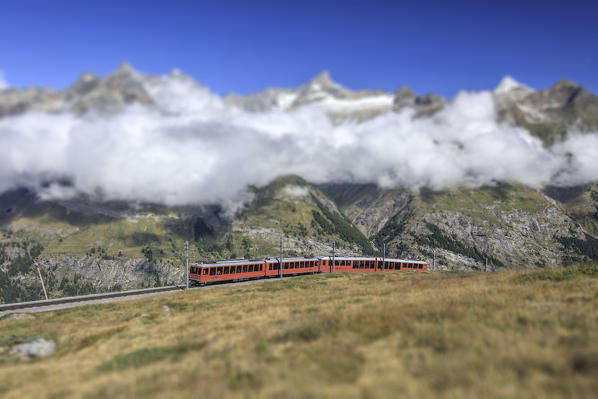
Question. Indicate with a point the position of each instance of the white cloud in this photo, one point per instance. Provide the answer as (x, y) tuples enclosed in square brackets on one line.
[(193, 148)]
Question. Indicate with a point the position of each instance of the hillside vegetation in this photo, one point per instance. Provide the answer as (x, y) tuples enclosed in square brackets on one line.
[(353, 335)]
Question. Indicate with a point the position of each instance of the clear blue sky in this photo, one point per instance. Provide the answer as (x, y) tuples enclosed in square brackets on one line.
[(243, 47)]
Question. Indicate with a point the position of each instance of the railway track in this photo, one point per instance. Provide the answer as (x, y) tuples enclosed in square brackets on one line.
[(87, 298), (55, 304)]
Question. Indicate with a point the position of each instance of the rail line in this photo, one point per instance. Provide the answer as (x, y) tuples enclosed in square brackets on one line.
[(81, 300), (87, 298)]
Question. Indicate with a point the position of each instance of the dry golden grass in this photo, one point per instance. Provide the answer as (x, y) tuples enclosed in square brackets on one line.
[(345, 335)]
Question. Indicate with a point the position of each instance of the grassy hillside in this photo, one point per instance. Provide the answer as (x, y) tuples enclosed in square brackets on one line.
[(450, 334), (86, 246)]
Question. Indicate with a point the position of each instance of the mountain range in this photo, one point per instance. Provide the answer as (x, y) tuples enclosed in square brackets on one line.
[(84, 243), (548, 114)]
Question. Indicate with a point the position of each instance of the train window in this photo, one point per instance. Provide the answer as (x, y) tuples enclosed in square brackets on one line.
[(219, 271), (285, 265), (225, 269), (420, 266), (238, 269), (212, 271), (260, 269), (205, 270), (250, 268), (244, 268)]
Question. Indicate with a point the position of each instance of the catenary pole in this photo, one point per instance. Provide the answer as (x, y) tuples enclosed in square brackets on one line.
[(434, 262), (333, 250), (280, 259), (42, 280), (187, 265), (384, 257)]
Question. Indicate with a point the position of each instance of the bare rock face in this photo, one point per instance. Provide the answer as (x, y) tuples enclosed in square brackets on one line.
[(124, 273), (31, 350), (424, 105), (123, 86), (548, 114), (509, 225)]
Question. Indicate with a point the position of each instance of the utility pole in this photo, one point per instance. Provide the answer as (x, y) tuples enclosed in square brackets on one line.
[(280, 259), (384, 257), (486, 267), (187, 265), (333, 248), (434, 262), (42, 280)]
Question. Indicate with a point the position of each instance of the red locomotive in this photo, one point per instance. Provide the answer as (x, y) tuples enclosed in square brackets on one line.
[(236, 270)]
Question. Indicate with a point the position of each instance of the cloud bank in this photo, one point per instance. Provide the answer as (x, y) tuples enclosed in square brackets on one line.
[(191, 148)]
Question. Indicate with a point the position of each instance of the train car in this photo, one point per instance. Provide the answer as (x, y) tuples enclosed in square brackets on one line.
[(292, 266), (226, 271), (401, 264), (370, 264)]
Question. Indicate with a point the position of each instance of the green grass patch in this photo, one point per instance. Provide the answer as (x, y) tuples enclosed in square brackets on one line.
[(145, 356), (10, 340), (562, 274)]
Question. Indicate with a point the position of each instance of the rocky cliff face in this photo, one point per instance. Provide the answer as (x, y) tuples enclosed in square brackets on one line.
[(510, 225)]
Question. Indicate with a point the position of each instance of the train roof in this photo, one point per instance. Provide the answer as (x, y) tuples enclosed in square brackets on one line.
[(236, 262), (374, 258)]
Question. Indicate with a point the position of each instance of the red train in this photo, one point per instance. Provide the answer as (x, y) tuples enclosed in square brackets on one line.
[(236, 270)]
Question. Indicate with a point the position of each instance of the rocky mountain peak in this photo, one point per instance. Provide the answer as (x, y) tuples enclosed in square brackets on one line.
[(323, 78), (508, 84), (125, 69), (404, 93), (424, 105), (86, 83)]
